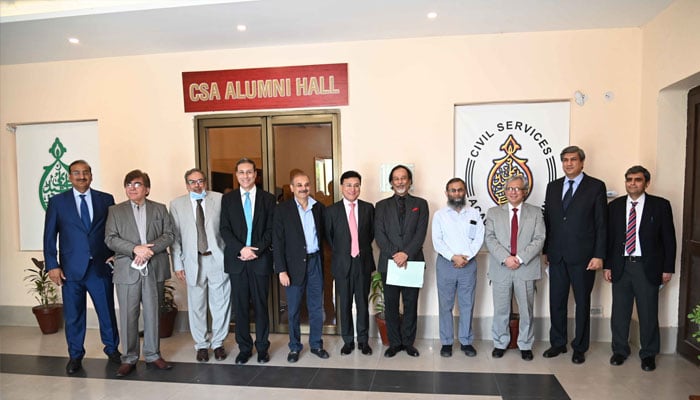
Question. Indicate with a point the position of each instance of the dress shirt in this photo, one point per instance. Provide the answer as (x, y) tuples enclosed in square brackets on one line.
[(88, 200), (309, 225), (194, 208), (252, 199), (347, 210), (140, 217), (638, 209), (454, 233), (577, 181)]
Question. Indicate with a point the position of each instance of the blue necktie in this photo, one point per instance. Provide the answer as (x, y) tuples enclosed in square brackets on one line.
[(84, 212), (568, 195), (248, 211)]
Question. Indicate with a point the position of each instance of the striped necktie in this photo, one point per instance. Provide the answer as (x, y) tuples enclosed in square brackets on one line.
[(631, 236)]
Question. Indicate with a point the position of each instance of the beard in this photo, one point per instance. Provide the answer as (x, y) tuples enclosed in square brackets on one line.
[(457, 203)]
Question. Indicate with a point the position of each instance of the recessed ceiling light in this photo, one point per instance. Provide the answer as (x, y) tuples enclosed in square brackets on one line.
[(432, 15), (241, 28), (73, 40)]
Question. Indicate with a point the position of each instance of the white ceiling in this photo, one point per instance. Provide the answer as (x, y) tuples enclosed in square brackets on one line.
[(109, 28)]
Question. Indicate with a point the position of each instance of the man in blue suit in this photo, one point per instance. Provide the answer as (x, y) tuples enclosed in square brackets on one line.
[(76, 218)]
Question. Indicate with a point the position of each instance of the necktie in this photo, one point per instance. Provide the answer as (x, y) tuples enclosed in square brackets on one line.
[(402, 210), (514, 233), (202, 245), (631, 236), (567, 196), (248, 211), (354, 239), (84, 212)]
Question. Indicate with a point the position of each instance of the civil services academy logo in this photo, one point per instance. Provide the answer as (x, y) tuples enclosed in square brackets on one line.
[(55, 177)]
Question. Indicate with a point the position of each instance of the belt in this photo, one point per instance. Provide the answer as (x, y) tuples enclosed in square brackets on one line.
[(633, 259), (206, 253), (314, 254)]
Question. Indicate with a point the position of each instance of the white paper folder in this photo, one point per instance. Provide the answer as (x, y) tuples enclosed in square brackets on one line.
[(411, 276)]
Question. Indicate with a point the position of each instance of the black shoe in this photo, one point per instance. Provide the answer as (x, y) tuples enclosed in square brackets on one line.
[(446, 350), (578, 358), (498, 353), (243, 357), (468, 349), (411, 351), (320, 353), (554, 351), (366, 350), (617, 359), (526, 355), (293, 356), (391, 351), (347, 348), (648, 363), (74, 365), (263, 358), (115, 357), (202, 355)]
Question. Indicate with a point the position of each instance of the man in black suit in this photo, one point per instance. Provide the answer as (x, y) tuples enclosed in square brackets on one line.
[(350, 231), (401, 222), (641, 256), (297, 249), (575, 216), (246, 227)]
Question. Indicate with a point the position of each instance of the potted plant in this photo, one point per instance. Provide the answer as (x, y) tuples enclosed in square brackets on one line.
[(49, 312), (376, 297), (168, 311), (695, 318)]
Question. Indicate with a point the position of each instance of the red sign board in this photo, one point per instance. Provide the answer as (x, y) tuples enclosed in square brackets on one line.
[(263, 88)]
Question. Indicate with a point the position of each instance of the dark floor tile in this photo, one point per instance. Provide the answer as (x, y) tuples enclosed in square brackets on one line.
[(404, 381), (466, 383), (535, 386), (285, 377), (342, 379), (224, 374)]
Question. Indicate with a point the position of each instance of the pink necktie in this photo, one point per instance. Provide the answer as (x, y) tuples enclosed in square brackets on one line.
[(354, 239), (631, 234)]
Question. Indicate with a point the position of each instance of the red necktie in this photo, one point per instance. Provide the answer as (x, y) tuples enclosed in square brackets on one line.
[(354, 239), (514, 233)]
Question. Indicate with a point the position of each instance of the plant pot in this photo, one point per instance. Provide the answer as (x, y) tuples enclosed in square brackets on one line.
[(381, 324), (514, 326), (167, 323), (49, 317)]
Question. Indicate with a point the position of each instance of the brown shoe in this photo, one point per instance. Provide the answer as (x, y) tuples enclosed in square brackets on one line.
[(202, 355), (159, 363), (125, 369), (220, 353)]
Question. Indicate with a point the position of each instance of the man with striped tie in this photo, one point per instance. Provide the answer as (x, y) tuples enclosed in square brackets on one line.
[(641, 255)]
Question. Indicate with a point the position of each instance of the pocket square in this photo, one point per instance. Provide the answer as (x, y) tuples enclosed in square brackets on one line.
[(415, 209)]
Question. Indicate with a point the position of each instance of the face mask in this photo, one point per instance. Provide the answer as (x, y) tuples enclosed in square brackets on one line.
[(143, 269), (198, 196)]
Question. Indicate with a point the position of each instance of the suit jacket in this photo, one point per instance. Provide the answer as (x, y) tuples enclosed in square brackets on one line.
[(338, 236), (389, 235), (657, 238), (76, 243), (122, 235), (288, 242), (234, 231), (531, 236), (577, 234), (184, 248)]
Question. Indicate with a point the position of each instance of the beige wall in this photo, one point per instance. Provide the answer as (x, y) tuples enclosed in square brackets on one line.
[(402, 94)]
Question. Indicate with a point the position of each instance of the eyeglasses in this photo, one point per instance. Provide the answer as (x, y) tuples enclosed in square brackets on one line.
[(514, 189), (195, 181), (460, 190), (79, 173), (134, 185)]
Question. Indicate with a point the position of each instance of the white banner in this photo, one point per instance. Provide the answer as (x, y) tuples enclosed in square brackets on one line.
[(44, 152), (496, 141)]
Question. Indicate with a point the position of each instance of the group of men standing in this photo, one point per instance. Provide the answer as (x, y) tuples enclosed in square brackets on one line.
[(225, 246)]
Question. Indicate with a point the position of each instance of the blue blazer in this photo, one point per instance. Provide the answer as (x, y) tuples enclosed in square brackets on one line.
[(76, 244)]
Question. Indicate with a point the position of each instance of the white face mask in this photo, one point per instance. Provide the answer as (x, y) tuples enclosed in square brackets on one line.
[(143, 269)]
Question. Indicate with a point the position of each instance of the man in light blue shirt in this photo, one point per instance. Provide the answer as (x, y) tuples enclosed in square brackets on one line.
[(458, 234)]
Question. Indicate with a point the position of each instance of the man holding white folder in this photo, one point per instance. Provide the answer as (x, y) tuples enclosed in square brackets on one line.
[(401, 222), (458, 234)]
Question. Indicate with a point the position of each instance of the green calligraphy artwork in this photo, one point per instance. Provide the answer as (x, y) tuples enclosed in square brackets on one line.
[(55, 178)]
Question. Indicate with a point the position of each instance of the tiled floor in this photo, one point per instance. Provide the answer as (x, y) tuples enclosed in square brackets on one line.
[(33, 364)]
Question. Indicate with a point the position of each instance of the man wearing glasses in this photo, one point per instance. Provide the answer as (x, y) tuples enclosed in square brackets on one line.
[(458, 234), (198, 259), (76, 219), (515, 234)]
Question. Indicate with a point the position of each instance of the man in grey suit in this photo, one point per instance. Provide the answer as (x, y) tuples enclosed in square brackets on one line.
[(139, 232), (515, 234), (458, 234), (400, 225), (198, 259)]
